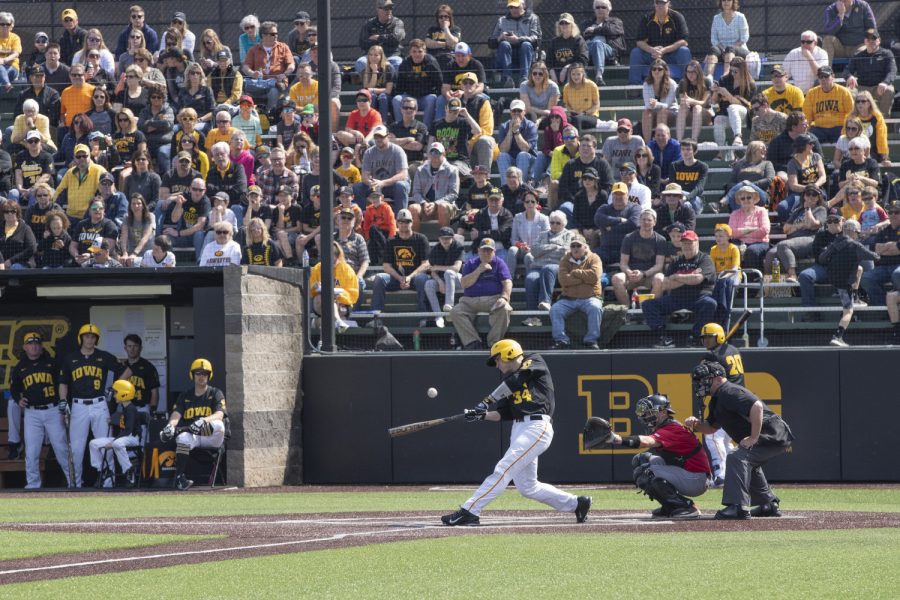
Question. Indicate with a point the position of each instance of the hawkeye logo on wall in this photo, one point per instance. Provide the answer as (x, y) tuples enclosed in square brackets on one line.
[(12, 332), (613, 397)]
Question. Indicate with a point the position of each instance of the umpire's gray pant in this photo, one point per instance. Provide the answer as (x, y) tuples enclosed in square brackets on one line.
[(687, 483), (745, 482)]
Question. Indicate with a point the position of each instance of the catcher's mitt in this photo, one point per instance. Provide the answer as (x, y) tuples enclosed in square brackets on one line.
[(597, 432)]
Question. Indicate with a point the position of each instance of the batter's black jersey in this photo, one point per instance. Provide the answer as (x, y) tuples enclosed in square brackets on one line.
[(144, 378), (35, 380), (531, 390), (730, 359), (86, 375), (127, 419), (729, 409), (192, 407)]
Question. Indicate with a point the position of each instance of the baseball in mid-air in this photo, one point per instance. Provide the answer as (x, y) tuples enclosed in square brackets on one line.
[(432, 392)]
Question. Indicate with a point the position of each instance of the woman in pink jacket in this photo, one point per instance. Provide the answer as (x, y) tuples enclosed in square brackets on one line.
[(750, 226)]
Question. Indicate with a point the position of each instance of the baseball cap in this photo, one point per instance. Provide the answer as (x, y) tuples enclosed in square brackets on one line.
[(302, 17), (222, 54), (104, 245), (690, 236), (347, 150), (383, 3), (81, 148), (364, 92), (254, 189), (33, 135), (480, 169), (345, 211), (824, 71), (470, 76), (590, 173), (223, 196), (872, 34), (578, 241), (677, 226), (620, 187), (801, 141), (454, 103), (380, 130), (107, 177), (673, 189), (403, 216), (348, 190), (436, 146), (95, 135), (625, 123), (445, 232), (778, 69), (309, 109), (315, 190), (628, 166), (183, 155), (284, 189), (179, 16), (516, 105), (462, 48), (263, 152), (495, 193), (487, 243), (374, 192), (41, 36), (36, 70), (724, 227), (69, 12), (513, 2), (33, 336), (245, 99)]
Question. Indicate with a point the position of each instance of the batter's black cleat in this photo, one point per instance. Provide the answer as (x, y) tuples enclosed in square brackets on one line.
[(182, 482), (581, 511), (732, 512), (767, 509), (460, 517)]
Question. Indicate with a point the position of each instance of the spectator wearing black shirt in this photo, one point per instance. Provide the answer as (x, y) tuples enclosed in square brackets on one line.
[(405, 263), (409, 133), (46, 97), (781, 148), (442, 37), (385, 30), (57, 72), (661, 34), (674, 209), (570, 179), (873, 69), (419, 76), (72, 39), (460, 64), (445, 262), (37, 213), (454, 131), (817, 273), (690, 174)]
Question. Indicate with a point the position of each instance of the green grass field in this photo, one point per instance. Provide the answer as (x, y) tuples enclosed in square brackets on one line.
[(754, 565)]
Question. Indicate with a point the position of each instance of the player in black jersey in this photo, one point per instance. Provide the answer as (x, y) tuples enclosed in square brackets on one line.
[(525, 396), (144, 376), (128, 422)]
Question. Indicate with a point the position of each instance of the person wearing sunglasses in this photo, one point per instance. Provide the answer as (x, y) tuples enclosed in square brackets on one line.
[(72, 38), (605, 36), (566, 48), (34, 165), (514, 38), (268, 67), (223, 251), (10, 51), (653, 41), (137, 21), (802, 63), (827, 106), (385, 30), (846, 24), (442, 37)]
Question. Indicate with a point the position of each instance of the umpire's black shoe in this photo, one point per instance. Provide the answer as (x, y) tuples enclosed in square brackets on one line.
[(581, 511), (663, 512), (182, 482), (732, 512), (460, 517), (768, 509)]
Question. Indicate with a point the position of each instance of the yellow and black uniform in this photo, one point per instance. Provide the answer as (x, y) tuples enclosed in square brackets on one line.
[(86, 375), (192, 407), (144, 378), (730, 359), (531, 390), (35, 380), (128, 423)]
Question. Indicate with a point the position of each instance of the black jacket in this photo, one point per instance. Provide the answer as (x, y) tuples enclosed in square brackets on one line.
[(612, 29), (390, 35), (20, 246), (483, 225)]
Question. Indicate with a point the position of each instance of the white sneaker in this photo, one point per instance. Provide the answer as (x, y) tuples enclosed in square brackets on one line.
[(544, 306), (835, 341), (447, 307), (439, 322)]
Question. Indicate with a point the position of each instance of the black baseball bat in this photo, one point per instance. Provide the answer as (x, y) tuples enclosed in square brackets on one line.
[(737, 324)]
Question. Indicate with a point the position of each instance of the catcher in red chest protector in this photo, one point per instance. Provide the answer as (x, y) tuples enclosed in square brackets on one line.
[(675, 466)]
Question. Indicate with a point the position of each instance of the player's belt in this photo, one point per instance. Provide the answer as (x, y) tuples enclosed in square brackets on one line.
[(42, 407), (89, 401), (539, 417)]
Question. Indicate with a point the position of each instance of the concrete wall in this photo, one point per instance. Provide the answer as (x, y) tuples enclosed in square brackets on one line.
[(264, 349)]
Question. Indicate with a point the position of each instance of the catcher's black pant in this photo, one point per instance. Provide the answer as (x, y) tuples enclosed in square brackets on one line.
[(745, 482)]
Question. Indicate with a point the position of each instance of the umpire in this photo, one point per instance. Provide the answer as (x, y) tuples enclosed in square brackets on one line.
[(762, 436)]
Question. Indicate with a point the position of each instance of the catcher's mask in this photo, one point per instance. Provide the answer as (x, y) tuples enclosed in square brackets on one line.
[(648, 408), (703, 375)]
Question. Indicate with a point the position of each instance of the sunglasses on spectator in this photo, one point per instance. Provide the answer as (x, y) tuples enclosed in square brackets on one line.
[(156, 97), (34, 141), (273, 33), (135, 37), (557, 223), (409, 108), (42, 195), (68, 20), (222, 232), (346, 217), (81, 156), (832, 220), (807, 41), (570, 137), (223, 121), (76, 75), (537, 73), (198, 189), (94, 39), (361, 99)]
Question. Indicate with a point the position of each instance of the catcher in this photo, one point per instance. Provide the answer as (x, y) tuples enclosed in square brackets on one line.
[(197, 419), (675, 466)]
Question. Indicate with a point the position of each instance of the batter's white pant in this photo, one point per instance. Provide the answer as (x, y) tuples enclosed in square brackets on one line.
[(14, 415), (118, 445), (198, 441), (92, 417), (528, 440), (39, 423), (719, 446)]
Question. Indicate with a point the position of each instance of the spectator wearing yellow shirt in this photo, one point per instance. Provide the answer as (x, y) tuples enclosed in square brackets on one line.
[(222, 131), (10, 51), (783, 97), (726, 257), (80, 183), (826, 107), (306, 90), (347, 168), (581, 98)]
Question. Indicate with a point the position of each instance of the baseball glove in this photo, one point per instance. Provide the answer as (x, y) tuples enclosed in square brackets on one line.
[(597, 432)]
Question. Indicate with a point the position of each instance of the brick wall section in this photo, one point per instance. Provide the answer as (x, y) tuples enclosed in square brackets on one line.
[(264, 348)]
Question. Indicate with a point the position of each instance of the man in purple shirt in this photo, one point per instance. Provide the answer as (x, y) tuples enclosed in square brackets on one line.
[(487, 285)]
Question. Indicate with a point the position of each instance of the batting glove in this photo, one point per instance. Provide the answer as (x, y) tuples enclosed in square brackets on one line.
[(197, 426), (475, 414), (167, 433), (63, 408)]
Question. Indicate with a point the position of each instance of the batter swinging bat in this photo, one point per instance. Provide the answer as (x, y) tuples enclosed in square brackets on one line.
[(421, 425), (737, 324)]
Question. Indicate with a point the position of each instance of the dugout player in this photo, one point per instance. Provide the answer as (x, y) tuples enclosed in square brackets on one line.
[(33, 386), (144, 376), (199, 412), (712, 336), (128, 423), (676, 465), (83, 374), (762, 436), (525, 396)]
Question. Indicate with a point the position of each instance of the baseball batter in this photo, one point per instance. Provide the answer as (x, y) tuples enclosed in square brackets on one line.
[(199, 412), (33, 385), (83, 374), (712, 336), (526, 397), (144, 376), (129, 425)]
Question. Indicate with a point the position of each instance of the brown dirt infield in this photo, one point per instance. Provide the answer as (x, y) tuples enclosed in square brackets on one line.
[(251, 536)]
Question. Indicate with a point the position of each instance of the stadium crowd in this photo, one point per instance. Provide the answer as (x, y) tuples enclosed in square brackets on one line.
[(171, 139)]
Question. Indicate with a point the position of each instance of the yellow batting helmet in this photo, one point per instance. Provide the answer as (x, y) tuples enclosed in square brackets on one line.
[(124, 390), (89, 328), (713, 330), (200, 364), (505, 350)]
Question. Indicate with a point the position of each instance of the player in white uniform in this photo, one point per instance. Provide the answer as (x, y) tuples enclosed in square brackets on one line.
[(14, 416), (33, 386), (526, 397)]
